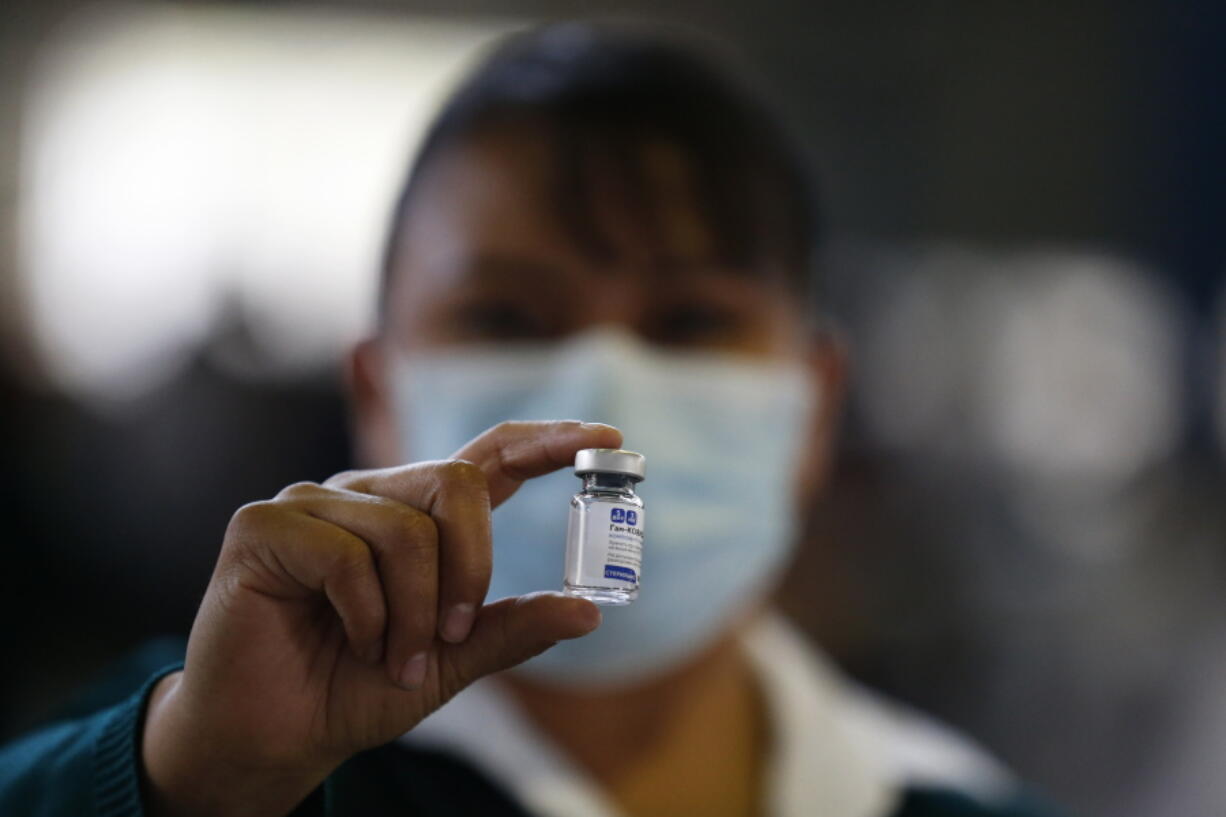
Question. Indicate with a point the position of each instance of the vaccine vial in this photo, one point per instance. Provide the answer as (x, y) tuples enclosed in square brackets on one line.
[(604, 538)]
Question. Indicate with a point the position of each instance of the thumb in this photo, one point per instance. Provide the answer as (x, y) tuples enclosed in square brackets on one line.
[(512, 630)]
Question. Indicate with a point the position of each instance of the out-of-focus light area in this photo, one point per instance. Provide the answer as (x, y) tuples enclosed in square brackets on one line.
[(1062, 365), (180, 161), (1023, 210)]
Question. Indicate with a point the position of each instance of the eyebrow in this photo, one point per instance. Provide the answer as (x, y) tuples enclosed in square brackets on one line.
[(498, 267)]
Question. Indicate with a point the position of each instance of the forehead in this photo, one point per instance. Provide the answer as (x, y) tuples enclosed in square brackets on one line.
[(515, 192), (550, 215)]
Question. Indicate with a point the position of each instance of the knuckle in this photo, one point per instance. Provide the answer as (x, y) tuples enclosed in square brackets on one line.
[(341, 479), (418, 529), (462, 472), (299, 489), (505, 428), (254, 515), (351, 562)]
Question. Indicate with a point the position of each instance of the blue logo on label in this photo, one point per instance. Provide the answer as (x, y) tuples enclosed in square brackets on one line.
[(632, 517), (615, 572), (618, 515)]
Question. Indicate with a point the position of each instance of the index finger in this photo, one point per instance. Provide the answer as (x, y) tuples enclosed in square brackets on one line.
[(514, 451)]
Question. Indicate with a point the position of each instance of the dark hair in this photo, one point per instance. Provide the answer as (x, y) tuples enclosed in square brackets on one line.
[(606, 91)]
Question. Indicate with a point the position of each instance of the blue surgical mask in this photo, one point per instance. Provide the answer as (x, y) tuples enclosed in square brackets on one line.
[(722, 435)]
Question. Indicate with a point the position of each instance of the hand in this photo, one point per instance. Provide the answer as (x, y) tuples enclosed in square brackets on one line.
[(339, 615)]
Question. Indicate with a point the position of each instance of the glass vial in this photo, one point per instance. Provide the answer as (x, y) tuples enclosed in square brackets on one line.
[(604, 539)]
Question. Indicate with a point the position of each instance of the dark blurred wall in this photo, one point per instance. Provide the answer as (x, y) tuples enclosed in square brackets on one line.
[(112, 521)]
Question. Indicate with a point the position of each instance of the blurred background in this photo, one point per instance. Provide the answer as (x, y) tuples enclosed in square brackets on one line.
[(1025, 205)]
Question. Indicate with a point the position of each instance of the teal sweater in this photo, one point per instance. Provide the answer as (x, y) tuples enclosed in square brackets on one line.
[(88, 765)]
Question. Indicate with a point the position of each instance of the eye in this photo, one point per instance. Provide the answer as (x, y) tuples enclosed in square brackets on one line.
[(698, 323), (497, 320)]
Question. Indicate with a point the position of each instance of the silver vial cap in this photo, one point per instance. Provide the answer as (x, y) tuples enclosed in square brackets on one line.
[(610, 461)]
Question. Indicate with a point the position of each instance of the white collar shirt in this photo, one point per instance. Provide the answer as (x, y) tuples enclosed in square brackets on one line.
[(839, 750)]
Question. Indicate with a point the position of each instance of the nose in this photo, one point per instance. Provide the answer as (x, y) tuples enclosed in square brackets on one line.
[(616, 298)]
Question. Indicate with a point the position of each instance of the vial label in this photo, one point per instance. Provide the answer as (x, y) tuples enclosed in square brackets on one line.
[(606, 547)]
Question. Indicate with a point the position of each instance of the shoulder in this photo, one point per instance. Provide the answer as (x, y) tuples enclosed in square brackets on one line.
[(918, 752), (928, 768)]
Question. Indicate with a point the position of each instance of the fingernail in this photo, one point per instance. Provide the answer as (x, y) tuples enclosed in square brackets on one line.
[(596, 426), (414, 672), (457, 623)]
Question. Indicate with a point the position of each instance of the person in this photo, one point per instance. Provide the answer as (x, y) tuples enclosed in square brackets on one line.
[(603, 241)]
